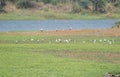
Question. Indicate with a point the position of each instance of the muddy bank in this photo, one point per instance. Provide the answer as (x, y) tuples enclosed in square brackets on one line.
[(85, 32)]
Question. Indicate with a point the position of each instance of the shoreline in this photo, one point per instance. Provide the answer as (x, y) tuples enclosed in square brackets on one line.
[(83, 32)]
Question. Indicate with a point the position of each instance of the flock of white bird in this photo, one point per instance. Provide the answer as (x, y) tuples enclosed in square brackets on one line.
[(94, 41), (65, 41), (104, 41)]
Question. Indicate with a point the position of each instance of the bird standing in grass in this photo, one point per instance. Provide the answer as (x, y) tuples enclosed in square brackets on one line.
[(16, 41)]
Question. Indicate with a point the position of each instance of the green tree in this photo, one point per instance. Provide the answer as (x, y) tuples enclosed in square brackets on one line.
[(76, 8), (23, 4), (117, 3), (12, 1), (46, 1), (54, 2), (2, 4), (98, 5), (84, 3)]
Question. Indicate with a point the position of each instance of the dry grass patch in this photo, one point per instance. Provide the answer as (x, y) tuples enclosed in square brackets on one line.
[(107, 57)]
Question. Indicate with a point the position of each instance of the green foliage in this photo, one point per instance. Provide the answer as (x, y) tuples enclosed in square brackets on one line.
[(117, 24), (76, 8), (23, 4), (115, 73), (84, 3), (46, 1), (117, 4), (98, 5), (2, 4), (13, 1), (54, 2)]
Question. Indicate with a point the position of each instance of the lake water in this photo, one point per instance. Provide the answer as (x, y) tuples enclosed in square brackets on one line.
[(37, 25)]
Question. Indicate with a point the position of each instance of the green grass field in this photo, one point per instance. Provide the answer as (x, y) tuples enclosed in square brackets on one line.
[(42, 56)]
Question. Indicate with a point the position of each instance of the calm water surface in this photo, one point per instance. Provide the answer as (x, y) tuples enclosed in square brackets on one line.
[(36, 25)]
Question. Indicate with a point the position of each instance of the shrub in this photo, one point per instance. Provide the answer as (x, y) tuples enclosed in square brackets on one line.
[(114, 74), (46, 1), (76, 8), (117, 4), (23, 4), (84, 4), (12, 1), (54, 2), (98, 6), (2, 4), (117, 24)]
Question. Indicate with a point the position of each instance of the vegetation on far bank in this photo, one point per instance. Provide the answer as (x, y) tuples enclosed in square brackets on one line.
[(61, 9)]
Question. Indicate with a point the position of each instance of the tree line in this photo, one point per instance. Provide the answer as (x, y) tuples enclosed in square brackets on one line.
[(97, 5)]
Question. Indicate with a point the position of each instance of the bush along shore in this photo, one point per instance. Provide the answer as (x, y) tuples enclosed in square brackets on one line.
[(117, 25)]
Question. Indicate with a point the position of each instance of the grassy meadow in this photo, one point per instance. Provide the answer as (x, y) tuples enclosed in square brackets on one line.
[(43, 15), (44, 56)]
